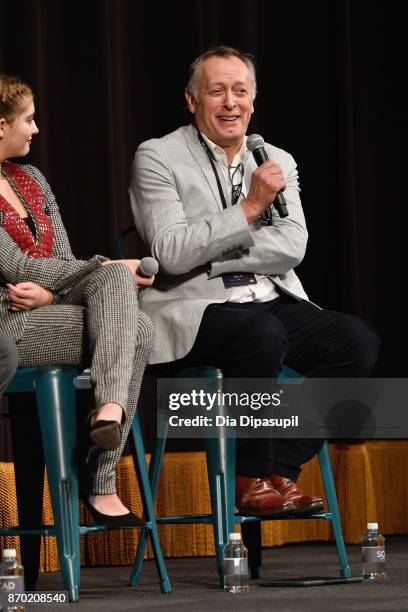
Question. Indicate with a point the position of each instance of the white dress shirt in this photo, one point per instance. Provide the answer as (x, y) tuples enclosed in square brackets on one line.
[(263, 290)]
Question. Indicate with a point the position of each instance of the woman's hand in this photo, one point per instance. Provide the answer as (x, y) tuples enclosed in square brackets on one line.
[(133, 265), (27, 296)]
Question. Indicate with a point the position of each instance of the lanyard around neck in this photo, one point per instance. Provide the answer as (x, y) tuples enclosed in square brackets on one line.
[(265, 218), (214, 169)]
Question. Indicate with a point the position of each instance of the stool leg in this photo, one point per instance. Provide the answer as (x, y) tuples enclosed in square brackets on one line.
[(56, 407), (220, 454), (156, 461), (252, 538), (328, 482), (28, 459), (146, 493)]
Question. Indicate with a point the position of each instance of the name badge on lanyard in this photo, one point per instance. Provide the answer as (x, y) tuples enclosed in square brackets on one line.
[(238, 279)]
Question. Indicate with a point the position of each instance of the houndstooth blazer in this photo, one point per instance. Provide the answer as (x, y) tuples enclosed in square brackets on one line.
[(55, 273)]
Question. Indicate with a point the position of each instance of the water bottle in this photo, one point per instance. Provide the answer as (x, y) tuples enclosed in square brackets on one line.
[(373, 551), (11, 580), (235, 565)]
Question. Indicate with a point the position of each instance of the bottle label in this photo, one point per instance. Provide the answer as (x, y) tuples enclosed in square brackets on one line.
[(373, 554), (236, 566), (14, 584)]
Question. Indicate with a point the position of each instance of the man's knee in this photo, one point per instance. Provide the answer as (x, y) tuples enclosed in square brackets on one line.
[(369, 347), (362, 343)]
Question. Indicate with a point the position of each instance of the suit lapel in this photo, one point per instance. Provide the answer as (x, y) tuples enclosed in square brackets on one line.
[(201, 157)]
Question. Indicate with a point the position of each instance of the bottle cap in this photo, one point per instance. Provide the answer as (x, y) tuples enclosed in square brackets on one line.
[(9, 554), (372, 526), (236, 537)]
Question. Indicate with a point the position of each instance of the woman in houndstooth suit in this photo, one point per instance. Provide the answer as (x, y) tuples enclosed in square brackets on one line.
[(65, 311)]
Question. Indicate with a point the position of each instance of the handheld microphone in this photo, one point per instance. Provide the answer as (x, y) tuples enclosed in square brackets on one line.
[(148, 267), (255, 145)]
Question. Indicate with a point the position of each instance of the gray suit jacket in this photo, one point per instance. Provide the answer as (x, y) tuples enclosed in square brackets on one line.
[(56, 273), (179, 215)]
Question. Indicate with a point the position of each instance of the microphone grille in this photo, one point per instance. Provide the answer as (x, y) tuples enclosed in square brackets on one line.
[(148, 266), (254, 141)]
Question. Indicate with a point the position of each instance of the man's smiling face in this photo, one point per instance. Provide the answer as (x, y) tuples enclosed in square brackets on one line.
[(222, 103)]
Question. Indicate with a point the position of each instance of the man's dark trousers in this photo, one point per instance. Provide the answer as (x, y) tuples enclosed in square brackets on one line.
[(252, 340)]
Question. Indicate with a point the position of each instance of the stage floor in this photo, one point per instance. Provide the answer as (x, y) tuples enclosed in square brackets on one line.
[(194, 582)]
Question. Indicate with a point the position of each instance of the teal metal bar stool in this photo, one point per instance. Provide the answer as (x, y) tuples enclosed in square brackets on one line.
[(55, 396), (220, 455)]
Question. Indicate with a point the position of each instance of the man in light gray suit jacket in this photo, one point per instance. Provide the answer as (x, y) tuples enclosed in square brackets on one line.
[(228, 295)]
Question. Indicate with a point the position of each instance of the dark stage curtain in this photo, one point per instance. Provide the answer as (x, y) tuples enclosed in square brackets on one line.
[(109, 74)]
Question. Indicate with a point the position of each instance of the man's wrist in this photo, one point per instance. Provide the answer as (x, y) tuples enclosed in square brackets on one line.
[(250, 209)]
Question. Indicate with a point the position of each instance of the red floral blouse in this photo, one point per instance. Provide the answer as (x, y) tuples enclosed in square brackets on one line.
[(42, 244)]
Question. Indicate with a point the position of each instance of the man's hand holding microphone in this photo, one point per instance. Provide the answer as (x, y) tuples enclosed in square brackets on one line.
[(267, 183)]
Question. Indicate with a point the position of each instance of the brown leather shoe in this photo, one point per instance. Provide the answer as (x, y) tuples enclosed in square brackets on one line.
[(304, 504), (257, 496)]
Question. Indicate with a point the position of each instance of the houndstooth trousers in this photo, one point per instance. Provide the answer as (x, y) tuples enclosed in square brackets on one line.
[(97, 323)]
